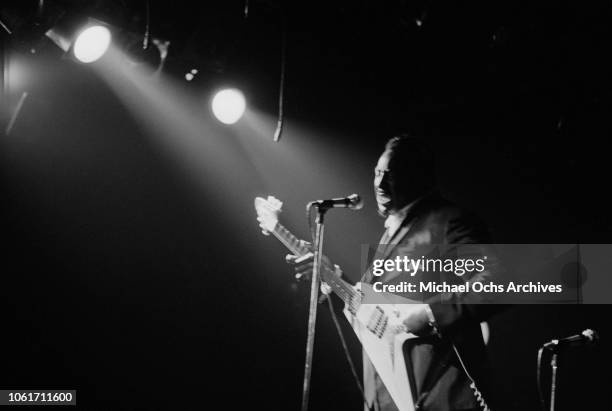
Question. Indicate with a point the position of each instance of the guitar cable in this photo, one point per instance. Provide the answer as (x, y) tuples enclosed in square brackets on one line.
[(479, 397), (346, 350)]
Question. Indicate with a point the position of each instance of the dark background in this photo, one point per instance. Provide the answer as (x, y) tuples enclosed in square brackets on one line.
[(145, 285)]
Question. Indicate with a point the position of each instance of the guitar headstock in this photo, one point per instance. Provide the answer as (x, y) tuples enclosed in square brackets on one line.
[(268, 210)]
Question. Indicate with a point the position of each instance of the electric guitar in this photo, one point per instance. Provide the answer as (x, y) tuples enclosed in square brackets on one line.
[(373, 324)]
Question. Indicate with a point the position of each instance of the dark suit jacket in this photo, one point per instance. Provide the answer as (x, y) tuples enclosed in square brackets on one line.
[(436, 375)]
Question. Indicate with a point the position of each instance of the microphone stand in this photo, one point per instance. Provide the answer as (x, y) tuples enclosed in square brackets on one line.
[(314, 293), (553, 383), (555, 347)]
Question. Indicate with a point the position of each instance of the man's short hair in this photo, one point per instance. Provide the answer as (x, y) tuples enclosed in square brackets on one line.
[(412, 154)]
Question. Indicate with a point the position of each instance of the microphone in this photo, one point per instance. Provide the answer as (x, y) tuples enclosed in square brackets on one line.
[(353, 202), (588, 336)]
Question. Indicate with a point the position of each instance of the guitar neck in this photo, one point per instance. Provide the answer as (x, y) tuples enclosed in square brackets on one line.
[(343, 289), (290, 241)]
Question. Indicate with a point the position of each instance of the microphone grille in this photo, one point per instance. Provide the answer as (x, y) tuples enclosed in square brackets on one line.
[(590, 335), (355, 202)]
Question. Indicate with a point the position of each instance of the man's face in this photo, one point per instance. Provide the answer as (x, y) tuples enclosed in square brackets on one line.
[(390, 195)]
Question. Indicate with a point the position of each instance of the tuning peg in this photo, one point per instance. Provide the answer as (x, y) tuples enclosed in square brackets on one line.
[(275, 202)]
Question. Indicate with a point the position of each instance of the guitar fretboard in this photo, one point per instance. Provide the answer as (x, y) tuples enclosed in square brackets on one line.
[(343, 289)]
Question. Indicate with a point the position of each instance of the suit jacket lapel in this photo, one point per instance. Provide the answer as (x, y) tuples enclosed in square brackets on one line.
[(407, 224), (388, 244), (397, 237)]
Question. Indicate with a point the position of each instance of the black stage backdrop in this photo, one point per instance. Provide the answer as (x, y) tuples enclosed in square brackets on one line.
[(145, 284)]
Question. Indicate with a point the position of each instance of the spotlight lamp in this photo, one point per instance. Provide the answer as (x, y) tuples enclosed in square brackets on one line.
[(91, 43), (87, 42), (228, 105)]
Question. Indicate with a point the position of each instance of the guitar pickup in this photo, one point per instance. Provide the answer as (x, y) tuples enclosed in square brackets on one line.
[(378, 322)]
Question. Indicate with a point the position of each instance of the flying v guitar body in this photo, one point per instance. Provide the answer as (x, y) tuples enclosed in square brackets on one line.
[(383, 344)]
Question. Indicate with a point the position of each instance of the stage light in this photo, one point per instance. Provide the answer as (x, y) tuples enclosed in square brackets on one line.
[(191, 75), (228, 105), (91, 43)]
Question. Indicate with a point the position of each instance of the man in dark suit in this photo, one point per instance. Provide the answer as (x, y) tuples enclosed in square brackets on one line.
[(448, 356)]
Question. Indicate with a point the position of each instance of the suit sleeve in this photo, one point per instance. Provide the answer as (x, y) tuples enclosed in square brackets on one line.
[(467, 237)]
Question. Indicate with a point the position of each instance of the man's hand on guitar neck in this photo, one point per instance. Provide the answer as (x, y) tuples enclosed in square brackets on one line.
[(302, 267)]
